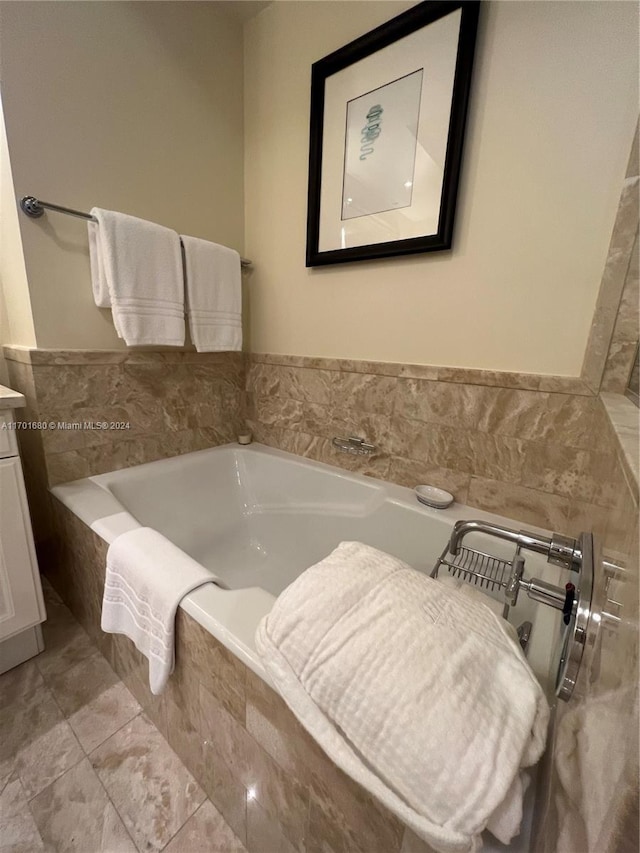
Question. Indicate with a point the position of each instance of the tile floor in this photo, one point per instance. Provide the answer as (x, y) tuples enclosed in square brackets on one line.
[(82, 768)]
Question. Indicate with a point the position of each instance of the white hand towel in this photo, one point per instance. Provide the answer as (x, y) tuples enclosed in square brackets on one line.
[(214, 295), (136, 270), (412, 688), (147, 577)]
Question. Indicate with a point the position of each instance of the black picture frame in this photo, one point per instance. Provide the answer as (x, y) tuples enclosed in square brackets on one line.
[(399, 27)]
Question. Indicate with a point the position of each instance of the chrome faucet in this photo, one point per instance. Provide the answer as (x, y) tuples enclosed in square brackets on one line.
[(507, 577), (559, 550)]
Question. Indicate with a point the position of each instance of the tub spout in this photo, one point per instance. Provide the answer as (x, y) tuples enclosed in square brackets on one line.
[(559, 550)]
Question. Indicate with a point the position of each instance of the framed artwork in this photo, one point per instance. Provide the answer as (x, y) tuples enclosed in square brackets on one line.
[(388, 115)]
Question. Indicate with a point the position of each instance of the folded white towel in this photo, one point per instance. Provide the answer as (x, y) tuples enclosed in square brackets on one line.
[(147, 577), (214, 295), (136, 270), (414, 689)]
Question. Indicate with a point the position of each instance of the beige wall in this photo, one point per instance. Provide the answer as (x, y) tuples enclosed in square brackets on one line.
[(130, 106), (553, 113), (138, 107), (16, 321)]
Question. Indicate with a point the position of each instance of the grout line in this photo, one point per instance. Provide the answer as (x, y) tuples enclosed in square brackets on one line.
[(56, 780), (30, 811), (73, 734), (85, 755), (188, 819), (119, 729), (108, 795), (47, 677)]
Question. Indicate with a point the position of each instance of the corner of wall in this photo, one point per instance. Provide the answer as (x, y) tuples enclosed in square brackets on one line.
[(613, 337), (16, 318)]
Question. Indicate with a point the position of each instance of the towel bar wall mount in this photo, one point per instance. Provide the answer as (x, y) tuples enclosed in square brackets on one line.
[(35, 208)]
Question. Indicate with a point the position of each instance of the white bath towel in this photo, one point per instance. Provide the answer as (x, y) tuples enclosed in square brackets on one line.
[(136, 270), (147, 577), (214, 295), (413, 689), (473, 592)]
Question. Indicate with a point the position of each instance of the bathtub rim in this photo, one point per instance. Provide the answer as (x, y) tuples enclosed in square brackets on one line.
[(232, 616)]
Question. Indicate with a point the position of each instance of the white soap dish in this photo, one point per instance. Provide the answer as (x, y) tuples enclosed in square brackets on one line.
[(436, 498)]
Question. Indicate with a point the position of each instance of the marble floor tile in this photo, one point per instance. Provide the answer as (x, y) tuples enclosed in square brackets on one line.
[(67, 703), (103, 716), (18, 830), (82, 683), (206, 831), (152, 790), (75, 814), (26, 720), (47, 757), (65, 641), (6, 771), (18, 683), (35, 737)]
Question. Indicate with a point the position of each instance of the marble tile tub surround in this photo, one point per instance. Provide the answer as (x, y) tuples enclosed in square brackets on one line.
[(83, 769), (521, 445), (268, 779)]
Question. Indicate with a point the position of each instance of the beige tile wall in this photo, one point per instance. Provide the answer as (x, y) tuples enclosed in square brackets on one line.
[(174, 402), (521, 445)]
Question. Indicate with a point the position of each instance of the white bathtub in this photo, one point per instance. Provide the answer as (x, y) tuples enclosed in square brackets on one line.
[(257, 517)]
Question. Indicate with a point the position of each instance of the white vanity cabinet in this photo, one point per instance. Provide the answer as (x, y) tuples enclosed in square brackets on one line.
[(21, 603)]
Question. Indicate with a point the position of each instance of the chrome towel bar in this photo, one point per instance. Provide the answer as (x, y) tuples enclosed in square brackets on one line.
[(35, 208)]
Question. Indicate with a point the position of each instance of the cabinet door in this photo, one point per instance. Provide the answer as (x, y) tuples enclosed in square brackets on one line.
[(21, 603)]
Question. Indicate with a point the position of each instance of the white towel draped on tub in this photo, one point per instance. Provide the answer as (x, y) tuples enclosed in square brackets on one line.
[(413, 689), (147, 577), (136, 270), (214, 295)]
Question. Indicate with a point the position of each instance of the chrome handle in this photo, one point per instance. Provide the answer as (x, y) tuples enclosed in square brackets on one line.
[(544, 592), (515, 581), (354, 445)]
